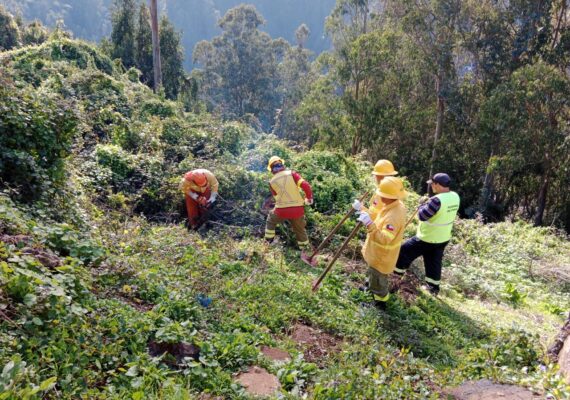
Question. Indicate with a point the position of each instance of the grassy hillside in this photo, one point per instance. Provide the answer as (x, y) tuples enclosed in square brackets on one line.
[(105, 294)]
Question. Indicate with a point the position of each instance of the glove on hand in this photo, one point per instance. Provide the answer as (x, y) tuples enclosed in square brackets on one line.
[(357, 205), (212, 198), (365, 218), (424, 199), (193, 195), (308, 201)]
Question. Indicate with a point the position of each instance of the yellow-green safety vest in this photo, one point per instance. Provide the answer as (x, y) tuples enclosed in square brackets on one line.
[(437, 229)]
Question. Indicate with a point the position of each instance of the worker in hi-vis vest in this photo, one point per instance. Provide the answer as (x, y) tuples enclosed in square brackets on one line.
[(289, 204), (436, 215), (382, 169)]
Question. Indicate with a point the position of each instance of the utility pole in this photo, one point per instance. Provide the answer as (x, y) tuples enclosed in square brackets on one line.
[(155, 45)]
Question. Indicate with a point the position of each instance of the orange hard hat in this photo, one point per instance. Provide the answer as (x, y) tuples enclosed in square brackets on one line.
[(199, 178)]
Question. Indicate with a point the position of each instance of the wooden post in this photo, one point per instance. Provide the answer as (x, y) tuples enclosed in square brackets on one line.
[(155, 45)]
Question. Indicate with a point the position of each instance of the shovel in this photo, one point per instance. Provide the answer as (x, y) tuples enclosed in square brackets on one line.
[(310, 260)]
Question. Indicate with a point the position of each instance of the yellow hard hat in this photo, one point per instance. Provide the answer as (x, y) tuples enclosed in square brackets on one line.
[(384, 168), (391, 188), (273, 160)]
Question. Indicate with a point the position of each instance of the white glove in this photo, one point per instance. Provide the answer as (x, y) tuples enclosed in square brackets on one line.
[(194, 195), (424, 199), (308, 201), (357, 205), (213, 198), (365, 218)]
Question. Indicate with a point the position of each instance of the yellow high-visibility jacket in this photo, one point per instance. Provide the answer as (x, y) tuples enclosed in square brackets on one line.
[(287, 191), (186, 186), (384, 238), (375, 207)]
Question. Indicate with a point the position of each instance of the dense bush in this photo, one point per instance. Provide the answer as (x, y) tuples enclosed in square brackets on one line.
[(36, 134)]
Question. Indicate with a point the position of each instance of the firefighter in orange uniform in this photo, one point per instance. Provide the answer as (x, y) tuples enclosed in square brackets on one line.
[(200, 188)]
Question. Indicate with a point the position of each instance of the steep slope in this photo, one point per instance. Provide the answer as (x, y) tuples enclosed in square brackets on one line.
[(105, 294)]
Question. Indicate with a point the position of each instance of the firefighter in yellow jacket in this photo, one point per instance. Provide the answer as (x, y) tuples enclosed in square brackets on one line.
[(382, 169), (289, 204), (384, 237)]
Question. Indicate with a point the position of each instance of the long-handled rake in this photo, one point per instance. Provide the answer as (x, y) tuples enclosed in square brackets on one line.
[(317, 283), (311, 260)]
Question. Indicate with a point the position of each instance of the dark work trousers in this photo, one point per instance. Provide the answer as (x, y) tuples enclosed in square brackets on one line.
[(432, 253)]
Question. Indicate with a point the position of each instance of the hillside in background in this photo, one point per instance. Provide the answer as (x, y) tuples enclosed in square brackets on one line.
[(105, 294), (197, 19)]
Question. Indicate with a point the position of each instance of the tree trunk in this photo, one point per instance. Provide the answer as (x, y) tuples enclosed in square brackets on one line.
[(155, 46), (541, 200), (439, 121)]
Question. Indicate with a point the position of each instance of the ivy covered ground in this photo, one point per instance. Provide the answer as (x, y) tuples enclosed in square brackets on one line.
[(105, 294)]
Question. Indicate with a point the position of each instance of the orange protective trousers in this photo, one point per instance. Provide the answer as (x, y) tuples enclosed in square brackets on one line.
[(197, 214)]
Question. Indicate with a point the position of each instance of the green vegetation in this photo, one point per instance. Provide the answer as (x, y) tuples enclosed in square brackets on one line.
[(105, 294)]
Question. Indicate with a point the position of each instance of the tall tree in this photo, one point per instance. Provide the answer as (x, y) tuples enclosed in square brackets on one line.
[(9, 31), (156, 59), (143, 46), (240, 66), (172, 58), (123, 34)]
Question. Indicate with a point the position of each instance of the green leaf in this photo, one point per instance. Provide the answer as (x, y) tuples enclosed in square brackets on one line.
[(30, 299), (37, 321), (133, 371), (48, 383)]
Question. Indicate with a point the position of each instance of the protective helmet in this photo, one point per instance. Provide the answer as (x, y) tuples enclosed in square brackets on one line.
[(391, 188), (199, 178), (273, 160), (384, 168)]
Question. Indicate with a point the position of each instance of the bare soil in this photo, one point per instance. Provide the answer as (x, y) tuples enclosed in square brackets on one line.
[(487, 390), (408, 286), (275, 354), (176, 351), (317, 345), (258, 382)]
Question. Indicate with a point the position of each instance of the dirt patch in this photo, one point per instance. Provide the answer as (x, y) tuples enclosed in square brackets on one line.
[(316, 343), (258, 382), (15, 239), (408, 286), (487, 390), (176, 352), (47, 258), (275, 354)]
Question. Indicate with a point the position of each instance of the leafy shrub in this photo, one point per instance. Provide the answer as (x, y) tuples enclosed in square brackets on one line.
[(34, 34), (36, 132), (157, 108), (68, 242), (9, 32), (512, 348)]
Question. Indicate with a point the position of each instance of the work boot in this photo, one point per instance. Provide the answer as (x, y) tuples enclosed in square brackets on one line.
[(365, 287), (433, 290), (381, 305)]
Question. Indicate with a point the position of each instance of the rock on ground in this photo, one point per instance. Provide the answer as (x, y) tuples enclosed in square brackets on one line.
[(258, 382), (487, 390)]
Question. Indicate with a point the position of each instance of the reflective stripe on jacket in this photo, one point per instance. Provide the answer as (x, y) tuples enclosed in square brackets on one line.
[(286, 190), (384, 238), (437, 229)]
